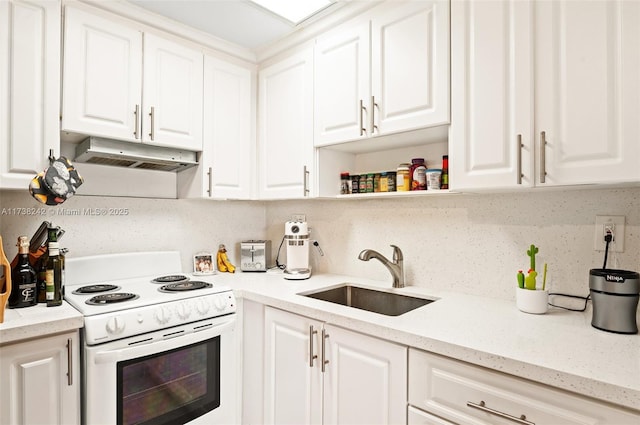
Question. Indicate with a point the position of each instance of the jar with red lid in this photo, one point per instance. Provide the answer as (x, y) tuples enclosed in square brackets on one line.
[(418, 174)]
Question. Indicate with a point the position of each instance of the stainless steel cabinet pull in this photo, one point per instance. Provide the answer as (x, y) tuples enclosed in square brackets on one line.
[(519, 160), (481, 406), (152, 115), (136, 113), (305, 182), (69, 362), (210, 174), (543, 158), (362, 109), (373, 125), (324, 360), (312, 356)]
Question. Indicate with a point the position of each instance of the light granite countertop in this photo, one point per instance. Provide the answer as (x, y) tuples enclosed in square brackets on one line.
[(560, 348), (38, 321)]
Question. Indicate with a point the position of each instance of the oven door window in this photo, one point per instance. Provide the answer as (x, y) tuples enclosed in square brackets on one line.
[(170, 387)]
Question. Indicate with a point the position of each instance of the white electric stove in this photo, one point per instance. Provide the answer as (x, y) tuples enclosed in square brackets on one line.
[(158, 344)]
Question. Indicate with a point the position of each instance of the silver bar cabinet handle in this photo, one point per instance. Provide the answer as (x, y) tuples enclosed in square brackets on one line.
[(312, 356), (373, 125), (210, 174), (519, 160), (324, 360), (481, 406), (543, 156), (305, 182), (152, 115), (362, 109), (69, 362), (136, 113)]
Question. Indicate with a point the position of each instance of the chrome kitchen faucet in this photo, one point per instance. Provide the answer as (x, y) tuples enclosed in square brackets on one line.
[(395, 267)]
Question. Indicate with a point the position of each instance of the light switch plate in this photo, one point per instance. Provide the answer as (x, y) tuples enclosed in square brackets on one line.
[(616, 224)]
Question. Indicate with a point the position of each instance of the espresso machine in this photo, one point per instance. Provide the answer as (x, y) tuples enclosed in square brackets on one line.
[(296, 236)]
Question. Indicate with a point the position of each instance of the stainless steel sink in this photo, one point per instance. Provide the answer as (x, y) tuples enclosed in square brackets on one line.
[(375, 300)]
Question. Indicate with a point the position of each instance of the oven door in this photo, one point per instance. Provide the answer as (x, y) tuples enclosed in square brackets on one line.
[(185, 374)]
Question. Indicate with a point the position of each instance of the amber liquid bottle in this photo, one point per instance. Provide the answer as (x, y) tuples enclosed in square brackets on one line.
[(23, 278), (52, 236), (54, 276)]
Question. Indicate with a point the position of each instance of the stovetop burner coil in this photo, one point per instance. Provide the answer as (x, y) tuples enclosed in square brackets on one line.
[(111, 298), (93, 289), (185, 286), (172, 278)]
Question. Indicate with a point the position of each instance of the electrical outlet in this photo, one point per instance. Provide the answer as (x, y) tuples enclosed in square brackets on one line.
[(614, 224), (298, 217)]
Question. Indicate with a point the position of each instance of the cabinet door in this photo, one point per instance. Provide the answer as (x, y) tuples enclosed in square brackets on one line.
[(490, 142), (342, 82), (285, 127), (102, 78), (366, 379), (587, 91), (410, 66), (172, 94), (225, 169), (41, 381), (29, 88), (293, 381)]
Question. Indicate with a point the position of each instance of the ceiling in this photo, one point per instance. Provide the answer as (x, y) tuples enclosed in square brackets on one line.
[(238, 21)]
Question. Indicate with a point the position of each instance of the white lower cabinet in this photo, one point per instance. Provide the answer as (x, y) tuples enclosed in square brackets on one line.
[(41, 381), (442, 389), (318, 373)]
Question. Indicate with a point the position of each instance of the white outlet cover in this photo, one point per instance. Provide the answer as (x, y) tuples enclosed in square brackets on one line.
[(617, 221)]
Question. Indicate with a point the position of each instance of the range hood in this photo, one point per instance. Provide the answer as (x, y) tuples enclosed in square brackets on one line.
[(96, 150)]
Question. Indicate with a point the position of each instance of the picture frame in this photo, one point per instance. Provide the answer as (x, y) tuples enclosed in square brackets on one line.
[(203, 263)]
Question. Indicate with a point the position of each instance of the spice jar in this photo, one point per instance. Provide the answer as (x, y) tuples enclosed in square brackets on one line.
[(417, 172), (391, 181), (363, 183), (355, 184), (444, 178), (344, 183), (403, 178), (383, 185), (370, 177)]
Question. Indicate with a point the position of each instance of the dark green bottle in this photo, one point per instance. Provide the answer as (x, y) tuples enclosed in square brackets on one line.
[(23, 278), (54, 276)]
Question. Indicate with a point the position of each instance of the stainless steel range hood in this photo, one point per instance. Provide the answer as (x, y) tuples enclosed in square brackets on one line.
[(96, 150)]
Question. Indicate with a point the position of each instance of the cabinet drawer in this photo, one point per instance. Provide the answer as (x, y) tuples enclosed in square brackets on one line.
[(469, 394), (419, 417)]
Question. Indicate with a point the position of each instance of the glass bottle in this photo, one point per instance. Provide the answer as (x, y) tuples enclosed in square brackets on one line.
[(54, 276), (52, 236), (24, 278), (403, 178), (444, 178)]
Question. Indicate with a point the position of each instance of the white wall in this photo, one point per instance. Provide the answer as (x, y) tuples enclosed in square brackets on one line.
[(469, 243), (189, 226), (466, 243)]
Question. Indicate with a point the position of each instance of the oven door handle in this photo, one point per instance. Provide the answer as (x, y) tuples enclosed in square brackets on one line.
[(159, 346)]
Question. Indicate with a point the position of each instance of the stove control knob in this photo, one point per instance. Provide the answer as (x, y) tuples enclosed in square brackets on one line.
[(115, 325), (163, 315), (183, 310), (202, 306), (220, 303)]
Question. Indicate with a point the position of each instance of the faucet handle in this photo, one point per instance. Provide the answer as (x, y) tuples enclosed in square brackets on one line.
[(397, 254)]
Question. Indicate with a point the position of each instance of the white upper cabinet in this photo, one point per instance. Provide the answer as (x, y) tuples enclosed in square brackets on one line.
[(383, 73), (29, 88), (106, 92), (544, 93), (102, 77), (491, 94), (342, 84), (285, 127), (587, 91), (172, 94), (410, 66), (228, 148)]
